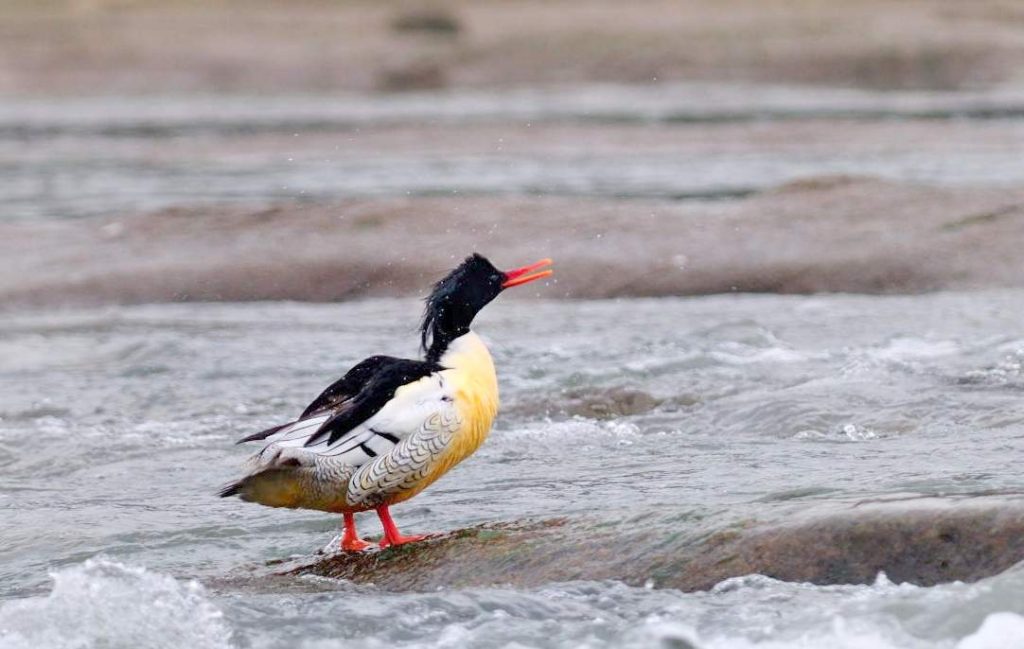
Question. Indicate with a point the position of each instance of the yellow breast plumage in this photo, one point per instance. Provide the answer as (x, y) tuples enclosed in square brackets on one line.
[(473, 387)]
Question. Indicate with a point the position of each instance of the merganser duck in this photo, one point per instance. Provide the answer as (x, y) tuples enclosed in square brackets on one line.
[(391, 426)]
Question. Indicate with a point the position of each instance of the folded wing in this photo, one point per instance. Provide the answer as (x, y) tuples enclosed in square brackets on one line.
[(363, 415)]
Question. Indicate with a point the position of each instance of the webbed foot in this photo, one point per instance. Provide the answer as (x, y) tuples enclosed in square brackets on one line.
[(387, 542), (350, 541)]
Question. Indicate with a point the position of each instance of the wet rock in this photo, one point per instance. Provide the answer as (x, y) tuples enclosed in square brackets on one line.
[(923, 541)]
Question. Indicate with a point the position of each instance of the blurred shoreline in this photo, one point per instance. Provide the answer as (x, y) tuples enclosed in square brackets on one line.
[(69, 47), (826, 234)]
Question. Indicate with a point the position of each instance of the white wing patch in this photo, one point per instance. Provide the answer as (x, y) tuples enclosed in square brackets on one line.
[(404, 415)]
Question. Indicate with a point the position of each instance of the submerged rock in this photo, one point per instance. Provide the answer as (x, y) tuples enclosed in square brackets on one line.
[(923, 541), (593, 403)]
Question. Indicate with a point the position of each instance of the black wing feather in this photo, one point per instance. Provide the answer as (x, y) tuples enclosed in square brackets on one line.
[(388, 375), (347, 386), (263, 434), (335, 395), (357, 396)]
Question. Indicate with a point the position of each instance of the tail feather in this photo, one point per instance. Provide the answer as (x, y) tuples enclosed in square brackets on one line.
[(278, 479), (233, 489)]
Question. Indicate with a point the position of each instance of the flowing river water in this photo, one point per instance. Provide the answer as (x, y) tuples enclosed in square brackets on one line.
[(117, 428), (117, 424)]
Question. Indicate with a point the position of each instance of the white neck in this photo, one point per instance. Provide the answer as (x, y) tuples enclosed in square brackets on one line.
[(467, 349)]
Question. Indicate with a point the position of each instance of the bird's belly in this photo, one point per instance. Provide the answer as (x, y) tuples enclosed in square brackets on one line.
[(464, 443), (427, 455)]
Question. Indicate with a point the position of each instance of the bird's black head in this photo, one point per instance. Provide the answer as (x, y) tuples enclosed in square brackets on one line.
[(457, 298)]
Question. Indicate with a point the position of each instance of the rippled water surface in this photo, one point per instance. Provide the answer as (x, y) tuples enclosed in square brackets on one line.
[(113, 156), (116, 428)]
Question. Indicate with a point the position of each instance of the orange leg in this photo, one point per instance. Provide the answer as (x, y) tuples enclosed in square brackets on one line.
[(391, 534), (350, 541)]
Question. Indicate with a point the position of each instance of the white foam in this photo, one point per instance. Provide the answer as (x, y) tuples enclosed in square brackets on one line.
[(103, 603), (908, 349), (882, 615), (998, 631), (740, 354)]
